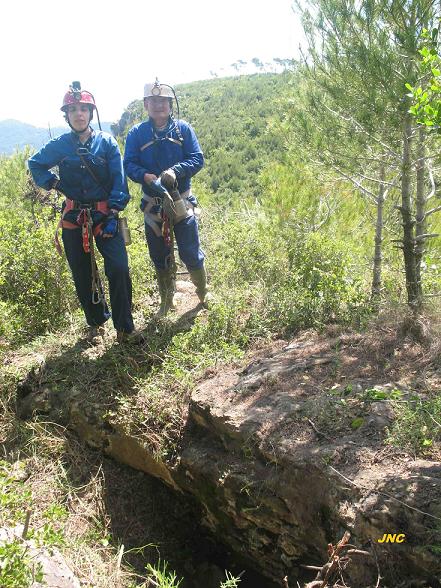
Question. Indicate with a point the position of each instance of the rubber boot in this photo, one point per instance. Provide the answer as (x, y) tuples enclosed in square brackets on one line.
[(199, 279), (95, 335), (166, 291)]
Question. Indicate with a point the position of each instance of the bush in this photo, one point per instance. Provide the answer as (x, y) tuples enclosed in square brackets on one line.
[(290, 280), (35, 283)]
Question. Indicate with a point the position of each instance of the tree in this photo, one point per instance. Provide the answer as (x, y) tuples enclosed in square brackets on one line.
[(357, 115), (257, 63)]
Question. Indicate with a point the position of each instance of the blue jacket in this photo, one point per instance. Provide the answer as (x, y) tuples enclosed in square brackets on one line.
[(153, 152), (101, 152)]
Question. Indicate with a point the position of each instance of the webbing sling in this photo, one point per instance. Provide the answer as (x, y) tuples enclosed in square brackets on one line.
[(86, 223)]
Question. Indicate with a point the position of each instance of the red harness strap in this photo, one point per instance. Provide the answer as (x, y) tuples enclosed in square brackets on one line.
[(84, 219), (100, 206)]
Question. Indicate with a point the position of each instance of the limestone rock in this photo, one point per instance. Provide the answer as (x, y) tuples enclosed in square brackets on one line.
[(280, 470), (56, 572)]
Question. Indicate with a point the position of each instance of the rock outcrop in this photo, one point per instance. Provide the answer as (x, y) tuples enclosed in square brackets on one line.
[(285, 454), (50, 566)]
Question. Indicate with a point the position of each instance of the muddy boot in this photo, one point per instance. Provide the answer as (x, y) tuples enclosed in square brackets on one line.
[(166, 292), (95, 335), (199, 279)]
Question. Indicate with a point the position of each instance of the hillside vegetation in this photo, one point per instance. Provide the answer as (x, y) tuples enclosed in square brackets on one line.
[(234, 121), (310, 198), (292, 229)]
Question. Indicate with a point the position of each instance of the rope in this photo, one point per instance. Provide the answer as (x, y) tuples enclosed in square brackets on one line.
[(170, 261), (85, 221)]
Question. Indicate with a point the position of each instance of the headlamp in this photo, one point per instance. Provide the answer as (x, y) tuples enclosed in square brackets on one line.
[(76, 90), (156, 90)]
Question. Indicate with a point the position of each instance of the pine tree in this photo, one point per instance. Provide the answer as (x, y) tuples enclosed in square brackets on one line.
[(356, 118)]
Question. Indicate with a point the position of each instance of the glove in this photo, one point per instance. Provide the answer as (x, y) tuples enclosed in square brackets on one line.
[(168, 178), (110, 227), (57, 184), (168, 206), (142, 204)]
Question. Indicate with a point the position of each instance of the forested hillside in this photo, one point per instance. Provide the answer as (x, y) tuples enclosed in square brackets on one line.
[(287, 193), (260, 199), (234, 119)]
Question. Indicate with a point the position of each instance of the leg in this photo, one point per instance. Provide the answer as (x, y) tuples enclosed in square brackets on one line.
[(159, 252), (116, 266), (187, 238), (79, 263)]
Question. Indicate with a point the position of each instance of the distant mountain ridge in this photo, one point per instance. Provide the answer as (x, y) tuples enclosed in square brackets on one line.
[(15, 134)]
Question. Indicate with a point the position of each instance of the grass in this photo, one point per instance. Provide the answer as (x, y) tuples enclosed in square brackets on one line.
[(48, 473), (140, 390), (163, 577), (144, 392), (417, 424)]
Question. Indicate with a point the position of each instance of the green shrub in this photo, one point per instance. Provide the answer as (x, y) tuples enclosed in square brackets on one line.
[(417, 424), (289, 279), (35, 283), (17, 568)]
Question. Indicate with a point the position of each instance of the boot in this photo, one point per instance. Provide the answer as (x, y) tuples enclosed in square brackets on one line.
[(199, 279), (166, 291), (95, 335)]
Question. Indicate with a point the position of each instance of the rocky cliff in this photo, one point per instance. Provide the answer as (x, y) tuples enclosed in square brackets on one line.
[(286, 451)]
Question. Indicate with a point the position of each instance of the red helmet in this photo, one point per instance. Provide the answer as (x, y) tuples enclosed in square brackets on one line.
[(77, 97)]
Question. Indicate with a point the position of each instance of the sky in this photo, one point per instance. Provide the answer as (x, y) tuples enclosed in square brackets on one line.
[(114, 47)]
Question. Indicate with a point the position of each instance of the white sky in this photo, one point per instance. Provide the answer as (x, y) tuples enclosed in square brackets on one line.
[(113, 48)]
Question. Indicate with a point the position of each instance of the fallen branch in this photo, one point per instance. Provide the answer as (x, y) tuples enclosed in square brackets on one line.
[(26, 524), (335, 556), (339, 558), (319, 433)]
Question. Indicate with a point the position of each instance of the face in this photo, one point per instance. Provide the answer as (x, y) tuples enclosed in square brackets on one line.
[(158, 107), (78, 116)]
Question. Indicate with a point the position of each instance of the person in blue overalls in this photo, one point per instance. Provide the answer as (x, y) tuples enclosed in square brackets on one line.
[(91, 177), (164, 151)]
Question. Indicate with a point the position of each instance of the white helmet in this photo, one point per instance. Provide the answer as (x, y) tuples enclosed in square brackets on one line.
[(157, 89)]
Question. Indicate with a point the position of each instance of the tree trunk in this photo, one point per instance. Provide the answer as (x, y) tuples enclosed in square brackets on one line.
[(420, 226), (376, 274), (412, 286)]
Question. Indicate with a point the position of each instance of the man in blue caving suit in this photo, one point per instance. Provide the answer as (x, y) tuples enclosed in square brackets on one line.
[(91, 177), (165, 152)]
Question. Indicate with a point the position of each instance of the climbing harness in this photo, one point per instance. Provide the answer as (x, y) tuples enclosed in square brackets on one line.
[(168, 137), (161, 224), (85, 221)]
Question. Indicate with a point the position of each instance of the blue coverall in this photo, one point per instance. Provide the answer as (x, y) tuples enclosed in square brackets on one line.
[(76, 182), (150, 151)]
